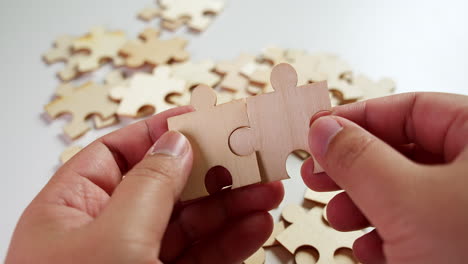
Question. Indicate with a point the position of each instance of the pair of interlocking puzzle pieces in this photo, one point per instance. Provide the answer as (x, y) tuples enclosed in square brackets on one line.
[(250, 137)]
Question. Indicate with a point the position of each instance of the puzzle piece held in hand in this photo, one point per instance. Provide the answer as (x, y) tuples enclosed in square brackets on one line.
[(208, 130), (152, 50), (145, 89), (279, 122), (102, 45), (82, 102), (310, 229), (195, 11)]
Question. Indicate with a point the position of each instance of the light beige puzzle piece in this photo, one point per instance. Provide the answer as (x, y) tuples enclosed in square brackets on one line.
[(144, 89), (257, 258), (310, 229), (373, 89), (61, 51), (208, 129), (196, 73), (102, 45), (274, 55), (194, 11), (258, 73), (87, 100), (69, 152), (149, 13), (233, 80), (278, 228), (152, 50), (307, 69), (279, 122), (320, 197)]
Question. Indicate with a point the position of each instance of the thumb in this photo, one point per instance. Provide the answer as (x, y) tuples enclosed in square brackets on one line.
[(141, 206), (374, 175)]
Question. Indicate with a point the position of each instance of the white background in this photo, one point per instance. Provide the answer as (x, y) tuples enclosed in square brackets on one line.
[(422, 45)]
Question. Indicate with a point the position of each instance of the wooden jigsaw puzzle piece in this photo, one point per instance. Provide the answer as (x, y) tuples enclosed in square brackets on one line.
[(61, 51), (279, 122), (85, 101), (310, 229), (148, 13), (208, 130), (233, 79), (194, 11), (69, 152), (152, 50), (373, 89), (320, 197), (145, 89), (102, 45)]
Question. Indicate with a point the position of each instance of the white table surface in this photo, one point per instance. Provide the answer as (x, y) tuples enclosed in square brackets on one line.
[(422, 45)]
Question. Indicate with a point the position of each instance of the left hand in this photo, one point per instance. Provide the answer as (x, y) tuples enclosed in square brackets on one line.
[(88, 214)]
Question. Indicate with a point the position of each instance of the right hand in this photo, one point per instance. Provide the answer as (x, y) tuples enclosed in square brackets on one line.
[(403, 162)]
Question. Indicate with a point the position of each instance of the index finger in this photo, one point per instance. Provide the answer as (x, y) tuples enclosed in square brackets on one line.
[(438, 122)]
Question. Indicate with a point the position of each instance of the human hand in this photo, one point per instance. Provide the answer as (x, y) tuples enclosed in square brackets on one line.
[(88, 214), (407, 175)]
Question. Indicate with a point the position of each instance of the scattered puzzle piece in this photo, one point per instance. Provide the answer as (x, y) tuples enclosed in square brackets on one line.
[(152, 50), (320, 197), (69, 152), (231, 71), (372, 89), (61, 51), (279, 122), (194, 11), (278, 228), (145, 89), (256, 258), (195, 74), (84, 101), (102, 45), (149, 13), (310, 229), (208, 130)]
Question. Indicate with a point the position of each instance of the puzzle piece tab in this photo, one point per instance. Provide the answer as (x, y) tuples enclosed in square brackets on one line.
[(279, 122), (152, 50), (208, 130)]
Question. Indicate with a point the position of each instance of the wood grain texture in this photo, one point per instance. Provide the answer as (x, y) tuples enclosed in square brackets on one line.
[(208, 130), (279, 122)]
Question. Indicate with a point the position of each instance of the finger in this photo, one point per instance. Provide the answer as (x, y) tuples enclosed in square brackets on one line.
[(437, 122), (319, 182), (343, 215), (370, 171), (105, 160), (369, 248), (234, 244), (205, 217), (141, 205)]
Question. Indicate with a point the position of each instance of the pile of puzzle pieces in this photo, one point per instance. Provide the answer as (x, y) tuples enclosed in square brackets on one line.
[(151, 74), (304, 232)]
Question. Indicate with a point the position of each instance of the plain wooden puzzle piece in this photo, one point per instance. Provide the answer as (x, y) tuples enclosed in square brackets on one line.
[(258, 73), (61, 51), (144, 89), (208, 130), (85, 101), (320, 197), (152, 50), (310, 229), (279, 122), (194, 11), (233, 79), (149, 13), (196, 73), (102, 45), (69, 152), (257, 258), (274, 55)]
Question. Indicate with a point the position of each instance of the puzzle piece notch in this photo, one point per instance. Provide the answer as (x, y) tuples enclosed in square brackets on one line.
[(195, 13), (145, 89), (208, 130), (310, 229), (102, 45), (152, 50), (289, 122)]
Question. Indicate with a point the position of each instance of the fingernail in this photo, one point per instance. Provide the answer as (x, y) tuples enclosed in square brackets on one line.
[(172, 143), (323, 130)]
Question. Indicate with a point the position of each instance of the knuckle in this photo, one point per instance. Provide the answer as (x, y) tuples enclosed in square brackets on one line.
[(157, 171), (349, 148)]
